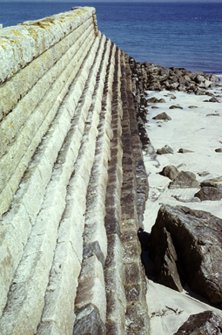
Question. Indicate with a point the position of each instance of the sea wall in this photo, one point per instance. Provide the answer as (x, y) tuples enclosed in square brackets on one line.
[(72, 182)]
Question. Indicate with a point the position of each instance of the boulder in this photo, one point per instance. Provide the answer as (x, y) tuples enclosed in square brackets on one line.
[(214, 99), (211, 189), (165, 150), (205, 323), (209, 193), (199, 79), (165, 260), (154, 100), (184, 179), (170, 171), (162, 116), (176, 106), (197, 238)]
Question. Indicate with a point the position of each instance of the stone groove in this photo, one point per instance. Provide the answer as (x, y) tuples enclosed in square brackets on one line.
[(95, 212), (114, 275), (73, 184), (135, 284), (71, 228), (20, 45), (41, 244), (35, 128), (19, 220), (12, 91)]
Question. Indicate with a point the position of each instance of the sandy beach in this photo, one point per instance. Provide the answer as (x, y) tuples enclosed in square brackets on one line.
[(195, 127)]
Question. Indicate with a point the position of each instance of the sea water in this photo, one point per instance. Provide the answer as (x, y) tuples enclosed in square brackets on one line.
[(170, 34)]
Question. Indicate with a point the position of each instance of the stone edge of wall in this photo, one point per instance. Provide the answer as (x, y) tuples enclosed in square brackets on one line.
[(20, 44)]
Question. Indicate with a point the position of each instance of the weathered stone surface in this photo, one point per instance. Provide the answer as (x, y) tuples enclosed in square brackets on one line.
[(93, 248), (165, 150), (21, 45), (184, 179), (162, 116), (197, 239), (205, 323), (170, 171), (88, 321), (91, 289), (211, 189), (165, 260)]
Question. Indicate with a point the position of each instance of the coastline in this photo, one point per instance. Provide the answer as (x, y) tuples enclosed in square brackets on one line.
[(195, 129)]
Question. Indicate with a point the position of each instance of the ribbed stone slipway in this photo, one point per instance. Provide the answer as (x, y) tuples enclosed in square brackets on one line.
[(72, 182)]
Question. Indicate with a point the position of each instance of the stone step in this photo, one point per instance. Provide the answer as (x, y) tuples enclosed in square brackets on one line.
[(95, 242), (72, 225), (135, 281), (34, 268), (14, 163), (35, 75), (32, 38), (96, 193), (114, 272), (17, 223)]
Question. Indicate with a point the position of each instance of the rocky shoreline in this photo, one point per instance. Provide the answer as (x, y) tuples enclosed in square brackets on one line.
[(182, 259), (153, 77)]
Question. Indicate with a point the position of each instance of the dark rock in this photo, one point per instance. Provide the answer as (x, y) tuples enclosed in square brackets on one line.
[(197, 239), (165, 261), (88, 321), (213, 114), (165, 150), (184, 151), (184, 179), (211, 189), (218, 150), (156, 100), (214, 182), (144, 237), (203, 173), (199, 78), (170, 171), (205, 323), (172, 96), (175, 107), (162, 116), (209, 193), (214, 99), (193, 107)]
